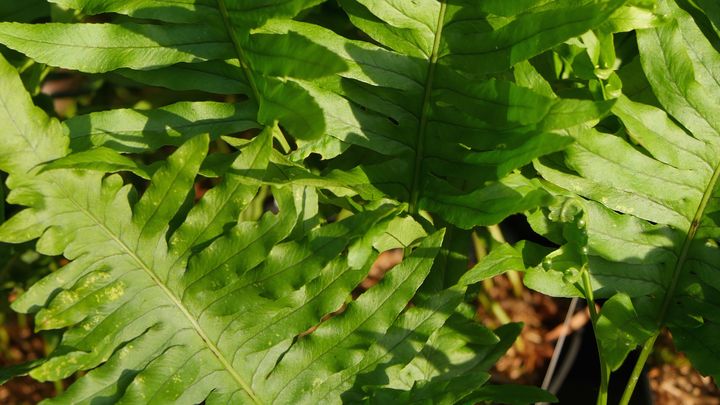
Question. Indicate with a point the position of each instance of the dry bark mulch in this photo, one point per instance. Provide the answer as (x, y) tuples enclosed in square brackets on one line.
[(673, 381), (527, 359), (683, 385), (21, 346)]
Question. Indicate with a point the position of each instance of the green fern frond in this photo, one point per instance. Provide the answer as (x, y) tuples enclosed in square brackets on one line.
[(425, 118), (207, 38), (433, 109), (650, 195), (214, 310)]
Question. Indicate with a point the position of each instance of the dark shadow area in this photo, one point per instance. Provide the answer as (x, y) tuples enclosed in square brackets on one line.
[(706, 14), (24, 11), (581, 384)]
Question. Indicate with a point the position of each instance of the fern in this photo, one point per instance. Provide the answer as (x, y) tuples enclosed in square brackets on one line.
[(415, 126), (213, 309), (440, 116), (649, 195), (156, 319)]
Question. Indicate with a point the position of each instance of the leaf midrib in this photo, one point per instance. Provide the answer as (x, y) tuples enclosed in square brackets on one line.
[(19, 131), (689, 238), (172, 297), (362, 367), (378, 307), (105, 46), (240, 53), (426, 110), (674, 84)]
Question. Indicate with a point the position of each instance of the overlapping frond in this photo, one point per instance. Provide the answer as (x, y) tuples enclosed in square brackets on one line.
[(430, 119), (215, 309), (650, 195), (200, 39), (434, 108)]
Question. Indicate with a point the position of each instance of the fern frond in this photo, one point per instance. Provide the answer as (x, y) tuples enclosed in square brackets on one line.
[(427, 108), (650, 194), (216, 309), (218, 33), (138, 131), (170, 301)]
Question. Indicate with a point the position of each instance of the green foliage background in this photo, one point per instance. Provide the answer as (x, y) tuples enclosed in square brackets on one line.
[(374, 125)]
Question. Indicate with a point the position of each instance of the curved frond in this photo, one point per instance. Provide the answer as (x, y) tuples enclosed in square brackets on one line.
[(210, 40), (429, 109), (651, 200), (216, 309)]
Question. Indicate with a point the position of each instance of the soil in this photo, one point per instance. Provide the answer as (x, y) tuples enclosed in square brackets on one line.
[(527, 359), (18, 346), (672, 384), (673, 381)]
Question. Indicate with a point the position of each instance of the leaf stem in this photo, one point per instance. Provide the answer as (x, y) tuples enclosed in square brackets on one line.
[(670, 293), (692, 231), (2, 199), (282, 140), (639, 365), (512, 275), (238, 49), (422, 127), (244, 64), (604, 369)]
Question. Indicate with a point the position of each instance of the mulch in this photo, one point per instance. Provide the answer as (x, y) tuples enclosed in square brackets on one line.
[(18, 346)]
